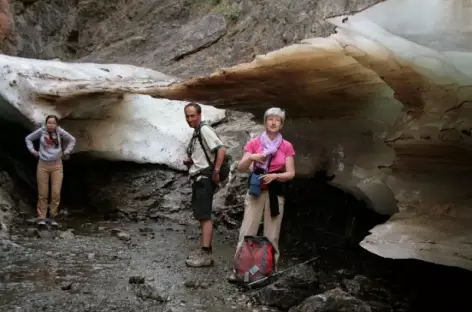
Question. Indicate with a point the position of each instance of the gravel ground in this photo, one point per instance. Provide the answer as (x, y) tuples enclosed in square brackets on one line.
[(91, 269)]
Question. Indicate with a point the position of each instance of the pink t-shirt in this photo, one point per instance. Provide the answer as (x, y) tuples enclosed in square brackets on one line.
[(278, 162)]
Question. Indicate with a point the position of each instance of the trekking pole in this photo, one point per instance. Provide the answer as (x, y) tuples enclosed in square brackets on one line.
[(249, 285)]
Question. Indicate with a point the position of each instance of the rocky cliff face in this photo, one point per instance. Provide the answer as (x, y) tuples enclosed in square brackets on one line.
[(183, 38)]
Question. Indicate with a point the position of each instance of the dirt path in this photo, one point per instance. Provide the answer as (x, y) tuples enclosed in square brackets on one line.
[(90, 271)]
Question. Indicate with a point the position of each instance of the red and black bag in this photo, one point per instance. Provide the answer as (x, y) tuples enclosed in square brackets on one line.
[(254, 260)]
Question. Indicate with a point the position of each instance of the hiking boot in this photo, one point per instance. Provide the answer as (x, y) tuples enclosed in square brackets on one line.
[(200, 259), (193, 254), (41, 222)]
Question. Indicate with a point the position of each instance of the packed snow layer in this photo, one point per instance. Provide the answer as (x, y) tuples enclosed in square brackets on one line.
[(111, 125)]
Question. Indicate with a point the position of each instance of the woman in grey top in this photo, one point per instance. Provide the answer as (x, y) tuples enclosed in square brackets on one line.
[(54, 144)]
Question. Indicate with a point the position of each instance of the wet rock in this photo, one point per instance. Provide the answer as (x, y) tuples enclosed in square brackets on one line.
[(136, 280), (176, 309), (124, 236), (7, 245), (197, 284), (291, 289), (190, 284), (6, 210), (148, 291), (136, 192), (67, 286), (102, 228), (362, 287), (145, 230), (358, 285), (31, 221), (32, 232), (69, 234), (334, 300)]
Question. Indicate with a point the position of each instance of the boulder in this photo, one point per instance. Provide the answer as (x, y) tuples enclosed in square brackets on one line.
[(334, 300), (291, 289)]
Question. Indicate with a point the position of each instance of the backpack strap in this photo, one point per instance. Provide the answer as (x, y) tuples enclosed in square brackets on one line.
[(204, 149)]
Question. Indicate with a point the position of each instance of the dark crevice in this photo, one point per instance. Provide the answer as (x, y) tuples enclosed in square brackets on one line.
[(17, 161), (73, 41)]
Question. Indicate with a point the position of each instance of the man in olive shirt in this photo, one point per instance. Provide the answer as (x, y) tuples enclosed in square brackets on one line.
[(204, 146)]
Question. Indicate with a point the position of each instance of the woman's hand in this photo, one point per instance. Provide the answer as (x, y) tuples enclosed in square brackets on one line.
[(35, 154), (258, 158), (267, 178)]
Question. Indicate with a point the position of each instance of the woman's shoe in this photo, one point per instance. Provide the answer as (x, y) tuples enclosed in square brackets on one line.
[(52, 222)]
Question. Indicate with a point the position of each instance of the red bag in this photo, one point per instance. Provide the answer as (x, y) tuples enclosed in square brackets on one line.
[(254, 260)]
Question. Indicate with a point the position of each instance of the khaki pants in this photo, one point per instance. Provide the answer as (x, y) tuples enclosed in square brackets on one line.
[(254, 209), (49, 171)]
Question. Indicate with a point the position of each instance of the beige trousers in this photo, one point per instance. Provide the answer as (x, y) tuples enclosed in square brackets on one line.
[(254, 209), (49, 171)]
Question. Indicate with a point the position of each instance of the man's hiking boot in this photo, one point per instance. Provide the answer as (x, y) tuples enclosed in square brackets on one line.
[(199, 259)]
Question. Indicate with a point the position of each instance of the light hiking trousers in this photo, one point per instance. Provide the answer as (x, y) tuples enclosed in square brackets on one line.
[(254, 209), (49, 171)]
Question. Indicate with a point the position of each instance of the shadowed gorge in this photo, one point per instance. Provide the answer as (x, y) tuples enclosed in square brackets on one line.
[(377, 96)]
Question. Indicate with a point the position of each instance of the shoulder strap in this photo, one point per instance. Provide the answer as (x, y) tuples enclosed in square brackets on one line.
[(203, 148), (268, 164)]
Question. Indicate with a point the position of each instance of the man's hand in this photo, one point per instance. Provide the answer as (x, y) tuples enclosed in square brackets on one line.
[(216, 177), (258, 158), (267, 178), (35, 154)]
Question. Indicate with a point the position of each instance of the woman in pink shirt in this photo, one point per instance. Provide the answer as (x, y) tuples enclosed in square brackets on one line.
[(271, 160)]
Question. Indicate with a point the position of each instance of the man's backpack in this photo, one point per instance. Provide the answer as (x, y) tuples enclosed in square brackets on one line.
[(225, 167), (254, 260)]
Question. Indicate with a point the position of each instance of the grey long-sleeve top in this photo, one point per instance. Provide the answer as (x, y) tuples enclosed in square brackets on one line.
[(49, 151)]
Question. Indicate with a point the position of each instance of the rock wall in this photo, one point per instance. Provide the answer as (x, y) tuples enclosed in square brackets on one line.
[(148, 191), (184, 38), (7, 205)]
